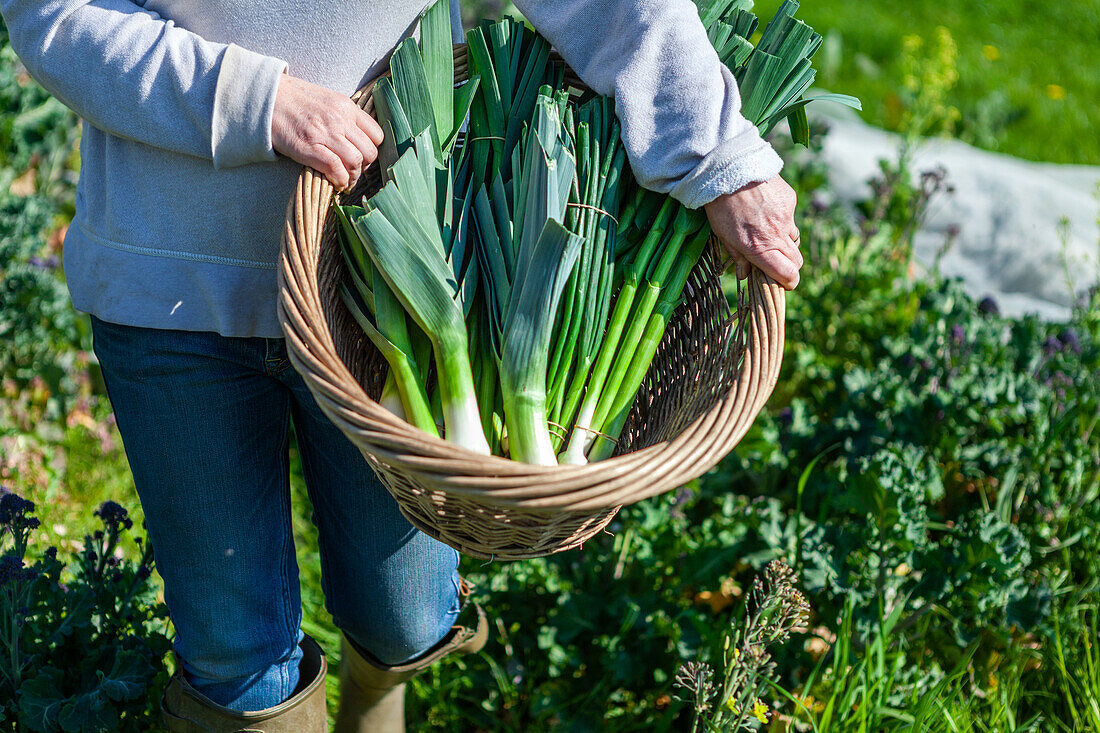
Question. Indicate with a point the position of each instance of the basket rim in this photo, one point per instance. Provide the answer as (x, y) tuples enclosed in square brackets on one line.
[(495, 479)]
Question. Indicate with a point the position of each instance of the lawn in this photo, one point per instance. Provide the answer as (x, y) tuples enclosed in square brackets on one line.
[(1026, 69)]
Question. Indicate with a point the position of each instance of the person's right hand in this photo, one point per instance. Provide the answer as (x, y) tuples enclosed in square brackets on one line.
[(325, 130), (756, 226)]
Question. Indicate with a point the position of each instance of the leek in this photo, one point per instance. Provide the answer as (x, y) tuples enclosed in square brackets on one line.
[(543, 265), (508, 261)]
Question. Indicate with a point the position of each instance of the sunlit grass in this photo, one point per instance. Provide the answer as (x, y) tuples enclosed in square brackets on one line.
[(1028, 82)]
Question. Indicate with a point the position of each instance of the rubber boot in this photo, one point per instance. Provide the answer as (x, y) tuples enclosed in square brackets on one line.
[(372, 694), (186, 710)]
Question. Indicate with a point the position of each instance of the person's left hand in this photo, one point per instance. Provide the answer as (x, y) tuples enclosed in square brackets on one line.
[(756, 226), (325, 130)]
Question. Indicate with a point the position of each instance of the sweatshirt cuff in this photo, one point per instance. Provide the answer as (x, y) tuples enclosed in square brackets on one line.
[(244, 101), (734, 164)]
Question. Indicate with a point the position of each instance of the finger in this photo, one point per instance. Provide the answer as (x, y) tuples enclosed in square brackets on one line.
[(328, 164), (778, 266), (363, 144), (367, 124), (350, 156)]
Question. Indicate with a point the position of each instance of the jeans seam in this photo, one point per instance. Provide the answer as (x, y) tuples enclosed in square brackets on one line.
[(457, 582), (288, 548)]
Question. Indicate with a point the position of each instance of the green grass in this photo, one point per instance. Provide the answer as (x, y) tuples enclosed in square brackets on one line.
[(1004, 101)]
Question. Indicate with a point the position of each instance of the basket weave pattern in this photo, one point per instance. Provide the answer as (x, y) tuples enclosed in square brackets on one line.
[(711, 376)]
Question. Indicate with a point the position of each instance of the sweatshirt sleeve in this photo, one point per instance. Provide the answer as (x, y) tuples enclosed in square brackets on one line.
[(677, 104), (134, 74)]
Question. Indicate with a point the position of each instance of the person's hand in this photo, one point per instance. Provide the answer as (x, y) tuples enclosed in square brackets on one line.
[(325, 130), (756, 226)]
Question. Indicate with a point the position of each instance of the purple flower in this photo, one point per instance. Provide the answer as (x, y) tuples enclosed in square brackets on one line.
[(1051, 346), (988, 306), (15, 511), (1070, 340), (679, 499), (48, 263), (934, 176), (682, 496), (958, 334), (12, 570), (114, 516)]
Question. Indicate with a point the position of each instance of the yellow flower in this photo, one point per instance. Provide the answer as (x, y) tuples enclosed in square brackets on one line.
[(991, 53), (760, 710), (1056, 92)]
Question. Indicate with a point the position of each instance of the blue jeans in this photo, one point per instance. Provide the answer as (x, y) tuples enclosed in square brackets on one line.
[(205, 420)]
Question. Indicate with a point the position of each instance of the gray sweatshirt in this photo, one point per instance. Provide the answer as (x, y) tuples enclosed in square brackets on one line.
[(181, 200)]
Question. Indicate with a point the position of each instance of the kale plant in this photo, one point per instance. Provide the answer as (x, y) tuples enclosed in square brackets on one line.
[(81, 647), (38, 325)]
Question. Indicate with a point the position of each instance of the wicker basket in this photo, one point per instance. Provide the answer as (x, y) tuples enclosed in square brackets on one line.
[(711, 376)]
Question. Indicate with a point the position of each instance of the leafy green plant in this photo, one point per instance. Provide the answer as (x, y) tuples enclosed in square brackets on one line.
[(37, 323), (38, 161), (81, 647), (38, 133)]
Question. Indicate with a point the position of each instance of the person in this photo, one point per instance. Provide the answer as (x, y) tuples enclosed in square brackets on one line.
[(197, 117)]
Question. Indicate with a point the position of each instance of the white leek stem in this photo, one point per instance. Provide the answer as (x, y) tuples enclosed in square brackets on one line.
[(581, 438), (391, 396)]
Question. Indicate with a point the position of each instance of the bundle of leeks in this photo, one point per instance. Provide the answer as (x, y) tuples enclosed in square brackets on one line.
[(494, 256)]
